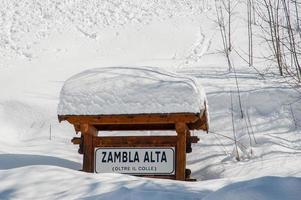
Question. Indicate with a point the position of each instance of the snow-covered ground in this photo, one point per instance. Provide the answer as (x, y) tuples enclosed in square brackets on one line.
[(43, 43)]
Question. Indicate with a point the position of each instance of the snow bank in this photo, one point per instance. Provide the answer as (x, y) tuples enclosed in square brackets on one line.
[(28, 182), (130, 90), (264, 188)]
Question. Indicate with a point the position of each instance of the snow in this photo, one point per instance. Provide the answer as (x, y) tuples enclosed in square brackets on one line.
[(264, 188), (43, 43), (130, 90)]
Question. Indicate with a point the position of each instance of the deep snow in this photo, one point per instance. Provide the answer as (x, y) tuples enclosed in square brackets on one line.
[(130, 90), (43, 43)]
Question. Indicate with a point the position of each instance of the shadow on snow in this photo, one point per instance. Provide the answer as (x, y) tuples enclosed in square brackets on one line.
[(10, 161)]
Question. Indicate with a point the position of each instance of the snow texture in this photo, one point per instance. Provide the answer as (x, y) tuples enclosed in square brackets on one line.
[(43, 43), (264, 188), (130, 90)]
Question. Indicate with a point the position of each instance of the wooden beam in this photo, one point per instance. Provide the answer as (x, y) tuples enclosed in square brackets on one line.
[(76, 140), (134, 127), (88, 131), (135, 141), (188, 148), (193, 139), (201, 123), (188, 134), (181, 129), (131, 119), (76, 128), (187, 174)]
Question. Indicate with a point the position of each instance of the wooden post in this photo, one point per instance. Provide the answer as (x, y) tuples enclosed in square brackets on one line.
[(181, 129), (188, 142), (88, 131)]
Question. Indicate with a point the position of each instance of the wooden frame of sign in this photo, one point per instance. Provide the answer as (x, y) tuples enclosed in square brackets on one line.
[(182, 123)]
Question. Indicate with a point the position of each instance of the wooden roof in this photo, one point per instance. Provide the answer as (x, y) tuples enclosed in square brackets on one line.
[(195, 121)]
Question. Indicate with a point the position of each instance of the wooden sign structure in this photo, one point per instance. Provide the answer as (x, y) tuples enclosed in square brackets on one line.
[(91, 126), (127, 98)]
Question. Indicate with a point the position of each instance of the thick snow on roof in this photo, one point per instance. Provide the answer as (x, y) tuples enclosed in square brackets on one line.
[(130, 90)]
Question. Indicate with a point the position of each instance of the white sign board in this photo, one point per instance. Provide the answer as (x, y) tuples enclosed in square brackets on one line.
[(136, 160)]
